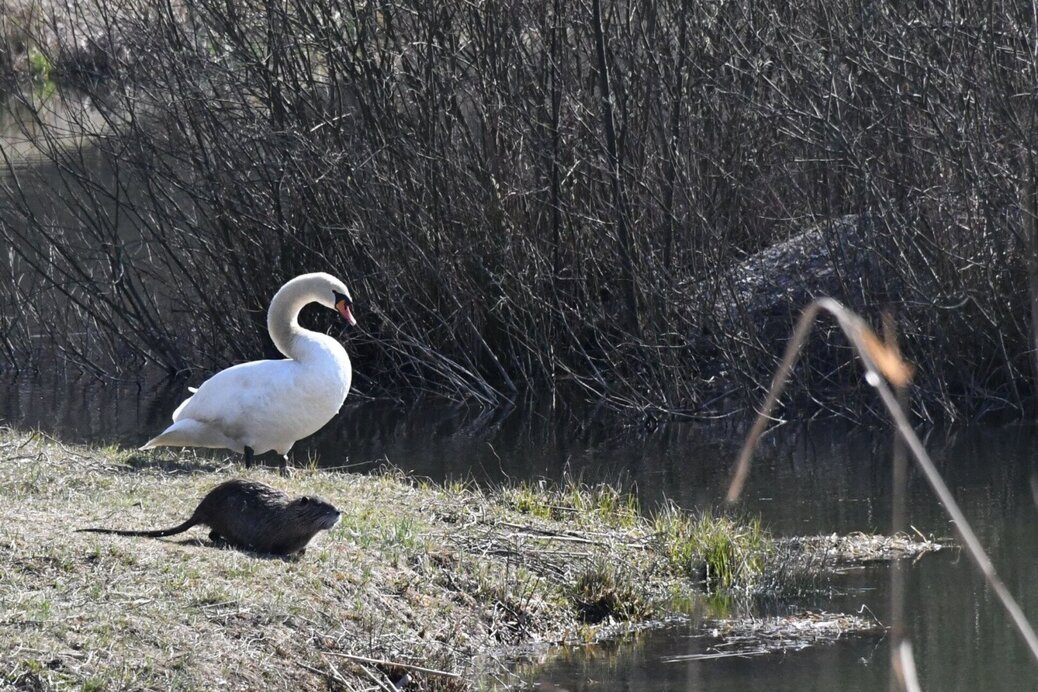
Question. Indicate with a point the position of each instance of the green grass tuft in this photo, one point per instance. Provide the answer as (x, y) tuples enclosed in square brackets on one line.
[(40, 66), (716, 550), (575, 501), (607, 591)]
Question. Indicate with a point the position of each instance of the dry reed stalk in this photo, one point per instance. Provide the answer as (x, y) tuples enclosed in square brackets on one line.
[(881, 365)]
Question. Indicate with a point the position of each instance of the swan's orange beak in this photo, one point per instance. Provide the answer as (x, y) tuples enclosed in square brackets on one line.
[(344, 309)]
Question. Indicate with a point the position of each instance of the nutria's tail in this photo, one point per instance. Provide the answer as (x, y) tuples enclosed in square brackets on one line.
[(158, 533)]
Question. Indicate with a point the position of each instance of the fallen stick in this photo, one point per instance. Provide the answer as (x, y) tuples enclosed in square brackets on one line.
[(384, 662)]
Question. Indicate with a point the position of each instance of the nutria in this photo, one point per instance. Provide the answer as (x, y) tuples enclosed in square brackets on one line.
[(254, 516)]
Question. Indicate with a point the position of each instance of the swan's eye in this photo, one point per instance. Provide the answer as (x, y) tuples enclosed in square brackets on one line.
[(340, 298)]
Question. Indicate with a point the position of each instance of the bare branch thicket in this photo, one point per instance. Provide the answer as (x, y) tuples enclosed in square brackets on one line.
[(534, 195)]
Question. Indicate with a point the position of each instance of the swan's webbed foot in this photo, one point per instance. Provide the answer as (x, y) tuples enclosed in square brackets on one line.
[(249, 454)]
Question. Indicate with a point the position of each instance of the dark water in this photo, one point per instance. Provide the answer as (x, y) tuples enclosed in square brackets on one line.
[(828, 480), (816, 479)]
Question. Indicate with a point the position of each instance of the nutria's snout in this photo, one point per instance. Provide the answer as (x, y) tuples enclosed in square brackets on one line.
[(333, 520), (317, 511)]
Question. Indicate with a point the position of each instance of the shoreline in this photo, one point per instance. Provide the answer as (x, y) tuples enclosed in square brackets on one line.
[(441, 584)]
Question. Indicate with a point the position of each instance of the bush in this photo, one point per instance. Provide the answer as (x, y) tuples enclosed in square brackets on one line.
[(526, 196)]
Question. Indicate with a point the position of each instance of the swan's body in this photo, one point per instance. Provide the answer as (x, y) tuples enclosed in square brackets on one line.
[(266, 405)]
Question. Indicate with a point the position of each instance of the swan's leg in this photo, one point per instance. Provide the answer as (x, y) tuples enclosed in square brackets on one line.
[(248, 457)]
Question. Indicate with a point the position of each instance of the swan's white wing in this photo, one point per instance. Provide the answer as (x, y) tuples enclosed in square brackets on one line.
[(266, 404), (244, 395)]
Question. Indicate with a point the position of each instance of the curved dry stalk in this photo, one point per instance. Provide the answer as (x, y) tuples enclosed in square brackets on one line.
[(881, 364)]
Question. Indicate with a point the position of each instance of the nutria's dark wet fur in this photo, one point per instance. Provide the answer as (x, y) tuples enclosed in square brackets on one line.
[(254, 516)]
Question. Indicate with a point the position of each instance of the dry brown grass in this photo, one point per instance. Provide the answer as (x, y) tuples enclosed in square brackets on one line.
[(441, 578)]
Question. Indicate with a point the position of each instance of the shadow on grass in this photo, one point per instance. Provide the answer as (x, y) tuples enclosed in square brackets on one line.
[(172, 464), (190, 463), (204, 542), (200, 542)]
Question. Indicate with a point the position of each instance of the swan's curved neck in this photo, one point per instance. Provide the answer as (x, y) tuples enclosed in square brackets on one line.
[(283, 318)]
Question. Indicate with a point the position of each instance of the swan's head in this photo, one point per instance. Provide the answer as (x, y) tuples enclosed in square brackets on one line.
[(331, 293)]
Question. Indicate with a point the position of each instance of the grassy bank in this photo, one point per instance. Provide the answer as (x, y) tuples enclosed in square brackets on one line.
[(426, 577)]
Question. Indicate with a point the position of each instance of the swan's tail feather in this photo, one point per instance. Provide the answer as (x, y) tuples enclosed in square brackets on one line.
[(191, 433), (152, 443), (168, 438)]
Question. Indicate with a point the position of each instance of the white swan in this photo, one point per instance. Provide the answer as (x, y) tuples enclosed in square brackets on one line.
[(265, 405)]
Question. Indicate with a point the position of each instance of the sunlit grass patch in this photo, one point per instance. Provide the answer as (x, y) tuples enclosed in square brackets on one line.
[(573, 501)]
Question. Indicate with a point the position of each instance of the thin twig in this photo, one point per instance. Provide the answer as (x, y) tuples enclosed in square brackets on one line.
[(333, 674), (382, 685), (397, 664)]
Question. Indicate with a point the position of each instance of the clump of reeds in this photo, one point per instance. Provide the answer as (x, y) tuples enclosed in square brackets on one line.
[(710, 548), (608, 591)]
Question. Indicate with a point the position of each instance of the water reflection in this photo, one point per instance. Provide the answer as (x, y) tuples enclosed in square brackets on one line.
[(641, 666), (961, 639), (34, 124)]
